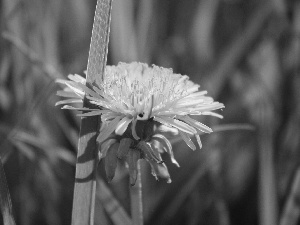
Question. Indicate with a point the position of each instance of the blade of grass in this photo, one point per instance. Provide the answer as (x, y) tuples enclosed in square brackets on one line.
[(291, 210), (123, 32), (145, 20), (113, 208), (235, 53), (136, 199), (85, 179), (5, 201), (267, 183), (23, 118), (185, 190), (221, 128), (34, 58), (233, 127)]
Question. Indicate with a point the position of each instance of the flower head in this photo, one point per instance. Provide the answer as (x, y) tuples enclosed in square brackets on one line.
[(133, 100)]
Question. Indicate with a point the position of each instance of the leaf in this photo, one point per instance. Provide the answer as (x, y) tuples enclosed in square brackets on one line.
[(111, 161), (105, 146), (124, 147), (111, 205), (132, 160), (5, 201)]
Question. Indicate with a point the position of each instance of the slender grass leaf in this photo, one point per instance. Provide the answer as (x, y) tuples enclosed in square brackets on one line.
[(5, 201)]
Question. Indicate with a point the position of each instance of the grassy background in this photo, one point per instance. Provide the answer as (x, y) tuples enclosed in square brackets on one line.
[(245, 53)]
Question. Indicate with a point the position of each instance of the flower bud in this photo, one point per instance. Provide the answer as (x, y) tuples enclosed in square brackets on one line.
[(132, 159), (124, 147), (149, 153)]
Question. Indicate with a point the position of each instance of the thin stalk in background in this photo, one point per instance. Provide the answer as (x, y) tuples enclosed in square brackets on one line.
[(5, 201), (267, 184), (136, 199), (291, 210)]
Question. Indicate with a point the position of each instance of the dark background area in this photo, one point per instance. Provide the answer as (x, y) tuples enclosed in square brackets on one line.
[(245, 53)]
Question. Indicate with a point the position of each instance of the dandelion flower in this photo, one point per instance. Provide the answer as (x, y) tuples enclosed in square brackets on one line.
[(138, 104)]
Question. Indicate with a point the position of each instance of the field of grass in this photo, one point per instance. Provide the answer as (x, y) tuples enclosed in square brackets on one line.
[(244, 53)]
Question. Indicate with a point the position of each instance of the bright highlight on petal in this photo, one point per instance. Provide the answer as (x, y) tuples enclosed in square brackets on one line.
[(122, 126), (109, 129)]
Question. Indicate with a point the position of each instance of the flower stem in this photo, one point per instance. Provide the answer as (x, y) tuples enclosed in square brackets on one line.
[(136, 199)]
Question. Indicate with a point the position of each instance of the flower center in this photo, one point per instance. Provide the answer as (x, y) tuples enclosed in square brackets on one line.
[(141, 115)]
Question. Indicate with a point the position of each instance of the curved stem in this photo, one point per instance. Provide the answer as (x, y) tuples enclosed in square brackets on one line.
[(136, 199)]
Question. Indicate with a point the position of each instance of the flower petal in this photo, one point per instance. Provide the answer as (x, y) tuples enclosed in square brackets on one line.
[(212, 114), (198, 140), (77, 78), (208, 107), (187, 140), (189, 101), (104, 134), (164, 129), (73, 87), (122, 125), (92, 113), (124, 147), (67, 94), (99, 102), (68, 101), (147, 109), (196, 124), (195, 95), (160, 170), (133, 130), (105, 146), (158, 146), (79, 109), (148, 151), (175, 123), (110, 115), (167, 146), (89, 91)]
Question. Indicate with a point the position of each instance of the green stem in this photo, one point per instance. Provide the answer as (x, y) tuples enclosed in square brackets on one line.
[(136, 199)]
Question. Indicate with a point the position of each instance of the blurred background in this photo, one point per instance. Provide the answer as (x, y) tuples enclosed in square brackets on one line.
[(245, 53)]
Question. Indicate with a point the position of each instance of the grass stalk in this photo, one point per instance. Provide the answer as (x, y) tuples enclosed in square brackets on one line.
[(85, 177), (267, 184), (136, 199), (5, 201), (291, 210)]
